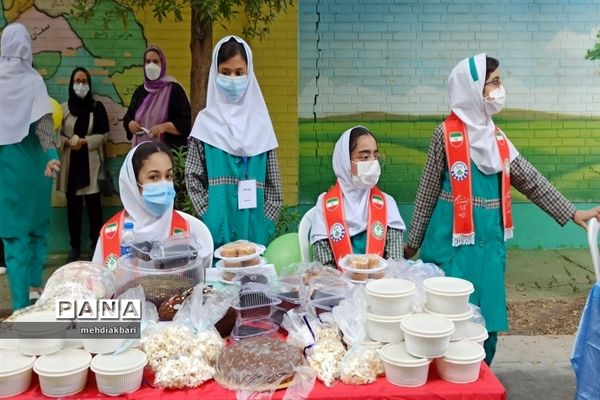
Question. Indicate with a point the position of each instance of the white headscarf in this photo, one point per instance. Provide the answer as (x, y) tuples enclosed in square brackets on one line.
[(356, 201), (23, 95), (146, 226), (243, 128), (465, 88)]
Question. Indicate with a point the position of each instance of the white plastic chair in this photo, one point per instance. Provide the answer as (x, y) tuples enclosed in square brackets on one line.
[(593, 227), (303, 231)]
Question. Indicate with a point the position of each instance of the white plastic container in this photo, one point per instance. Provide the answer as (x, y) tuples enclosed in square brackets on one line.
[(119, 374), (446, 295), (401, 368), (462, 362), (475, 333), (390, 297), (427, 335), (385, 329), (40, 333), (15, 372), (460, 322), (63, 373), (102, 346)]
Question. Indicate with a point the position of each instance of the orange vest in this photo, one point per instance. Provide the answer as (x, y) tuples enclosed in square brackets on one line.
[(339, 238), (110, 235)]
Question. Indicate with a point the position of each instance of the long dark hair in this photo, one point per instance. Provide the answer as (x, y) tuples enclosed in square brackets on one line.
[(229, 49), (144, 151)]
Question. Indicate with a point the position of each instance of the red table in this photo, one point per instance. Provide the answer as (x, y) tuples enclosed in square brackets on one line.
[(487, 387)]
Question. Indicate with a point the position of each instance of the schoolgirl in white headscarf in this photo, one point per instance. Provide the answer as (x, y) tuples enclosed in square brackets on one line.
[(232, 152), (462, 215), (27, 153), (147, 193), (356, 191)]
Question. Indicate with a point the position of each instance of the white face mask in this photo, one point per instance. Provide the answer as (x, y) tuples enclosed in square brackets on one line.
[(152, 71), (81, 89), (494, 103), (367, 174)]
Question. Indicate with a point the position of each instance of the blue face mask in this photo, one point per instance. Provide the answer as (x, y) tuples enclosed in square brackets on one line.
[(158, 197), (233, 87)]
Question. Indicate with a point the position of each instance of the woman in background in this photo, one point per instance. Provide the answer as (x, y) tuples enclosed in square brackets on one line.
[(84, 129), (159, 109)]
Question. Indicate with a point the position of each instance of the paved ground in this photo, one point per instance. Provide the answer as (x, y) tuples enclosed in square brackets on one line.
[(535, 367)]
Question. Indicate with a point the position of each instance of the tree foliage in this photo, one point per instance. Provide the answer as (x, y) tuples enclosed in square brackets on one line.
[(259, 13), (594, 54)]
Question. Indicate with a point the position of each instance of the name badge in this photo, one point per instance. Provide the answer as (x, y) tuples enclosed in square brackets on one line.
[(247, 194)]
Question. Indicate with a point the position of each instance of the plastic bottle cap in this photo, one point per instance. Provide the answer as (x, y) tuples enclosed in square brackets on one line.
[(128, 225)]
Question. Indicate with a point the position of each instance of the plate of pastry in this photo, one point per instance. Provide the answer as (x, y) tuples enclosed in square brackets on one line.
[(240, 250)]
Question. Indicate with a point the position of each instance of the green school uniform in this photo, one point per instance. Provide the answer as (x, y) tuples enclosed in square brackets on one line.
[(483, 263), (25, 213), (224, 220)]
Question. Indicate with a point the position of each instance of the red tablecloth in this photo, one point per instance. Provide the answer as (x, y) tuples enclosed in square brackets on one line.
[(487, 387)]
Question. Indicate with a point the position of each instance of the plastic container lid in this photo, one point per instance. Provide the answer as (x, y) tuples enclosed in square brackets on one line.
[(253, 328), (63, 362), (117, 364), (14, 362), (395, 353), (448, 286), (385, 318), (128, 225), (453, 317), (475, 332), (390, 287), (35, 323), (464, 352), (427, 325)]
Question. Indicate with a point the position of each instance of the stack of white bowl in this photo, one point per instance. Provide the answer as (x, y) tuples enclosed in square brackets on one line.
[(389, 301), (448, 298), (63, 371)]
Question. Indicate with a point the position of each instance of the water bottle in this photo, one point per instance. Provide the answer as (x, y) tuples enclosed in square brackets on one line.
[(127, 238)]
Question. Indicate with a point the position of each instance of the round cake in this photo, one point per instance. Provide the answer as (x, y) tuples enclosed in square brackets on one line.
[(257, 364)]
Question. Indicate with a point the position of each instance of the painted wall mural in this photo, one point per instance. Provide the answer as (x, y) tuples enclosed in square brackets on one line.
[(384, 64)]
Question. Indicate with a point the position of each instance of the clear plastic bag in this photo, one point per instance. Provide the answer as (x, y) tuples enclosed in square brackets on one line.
[(325, 357), (302, 385), (477, 317), (298, 325), (149, 315), (360, 365), (183, 352), (256, 367), (80, 280)]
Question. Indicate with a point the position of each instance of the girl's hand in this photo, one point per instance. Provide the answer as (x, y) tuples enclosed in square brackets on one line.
[(409, 252), (581, 217), (52, 167)]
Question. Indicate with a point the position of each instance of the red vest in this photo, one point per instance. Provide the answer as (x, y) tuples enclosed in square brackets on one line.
[(110, 235), (339, 238)]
